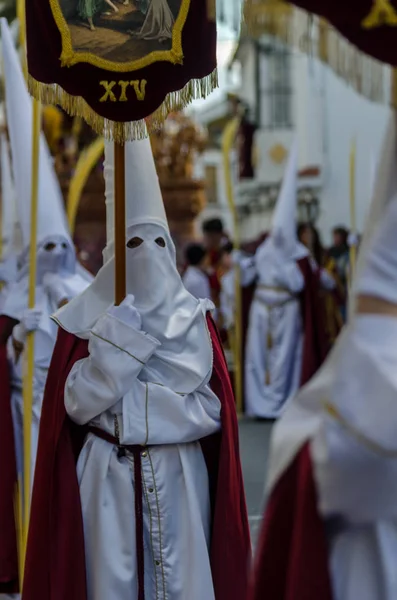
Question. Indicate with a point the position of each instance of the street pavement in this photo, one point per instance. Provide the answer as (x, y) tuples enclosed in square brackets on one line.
[(254, 449)]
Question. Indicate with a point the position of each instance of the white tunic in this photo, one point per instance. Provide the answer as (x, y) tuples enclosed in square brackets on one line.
[(275, 338), (176, 507)]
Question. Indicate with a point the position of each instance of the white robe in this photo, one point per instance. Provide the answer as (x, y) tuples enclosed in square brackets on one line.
[(197, 283), (348, 413), (176, 506), (275, 337), (44, 344)]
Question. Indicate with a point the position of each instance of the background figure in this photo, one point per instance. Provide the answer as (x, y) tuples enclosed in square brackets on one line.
[(214, 239), (339, 253), (331, 292), (158, 23), (87, 9), (285, 342), (196, 279)]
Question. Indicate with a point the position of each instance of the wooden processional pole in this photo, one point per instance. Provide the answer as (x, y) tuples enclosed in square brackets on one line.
[(236, 335), (29, 373), (23, 494), (119, 223)]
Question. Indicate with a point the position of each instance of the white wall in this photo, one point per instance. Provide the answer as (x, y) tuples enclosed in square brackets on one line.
[(348, 115), (221, 209)]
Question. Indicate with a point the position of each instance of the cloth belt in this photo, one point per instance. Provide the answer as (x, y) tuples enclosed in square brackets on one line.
[(274, 289), (136, 453)]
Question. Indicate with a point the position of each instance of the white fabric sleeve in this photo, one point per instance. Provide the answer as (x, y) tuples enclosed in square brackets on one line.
[(289, 276), (155, 415), (247, 271), (117, 353)]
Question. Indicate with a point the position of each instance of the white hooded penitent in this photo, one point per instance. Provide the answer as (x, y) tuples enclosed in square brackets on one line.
[(51, 218), (169, 313), (55, 250)]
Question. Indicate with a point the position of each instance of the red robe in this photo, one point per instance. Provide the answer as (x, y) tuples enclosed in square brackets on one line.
[(8, 472), (292, 556), (55, 562)]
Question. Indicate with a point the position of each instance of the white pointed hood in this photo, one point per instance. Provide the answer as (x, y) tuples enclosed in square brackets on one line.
[(51, 218), (282, 242), (11, 235), (284, 230), (142, 189), (358, 381), (51, 221), (169, 313)]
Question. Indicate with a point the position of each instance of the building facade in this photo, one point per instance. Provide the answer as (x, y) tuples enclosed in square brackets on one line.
[(289, 95)]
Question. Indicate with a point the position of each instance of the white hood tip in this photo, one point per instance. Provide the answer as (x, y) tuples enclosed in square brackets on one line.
[(51, 213)]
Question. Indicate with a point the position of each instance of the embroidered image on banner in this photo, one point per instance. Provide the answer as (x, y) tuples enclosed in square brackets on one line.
[(122, 65), (120, 36)]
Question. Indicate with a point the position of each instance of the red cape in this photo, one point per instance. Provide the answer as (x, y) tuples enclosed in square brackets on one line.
[(292, 556), (8, 472), (315, 343), (55, 562)]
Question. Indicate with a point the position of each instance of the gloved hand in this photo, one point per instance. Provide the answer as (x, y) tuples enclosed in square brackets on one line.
[(127, 313), (50, 280), (29, 322), (54, 287)]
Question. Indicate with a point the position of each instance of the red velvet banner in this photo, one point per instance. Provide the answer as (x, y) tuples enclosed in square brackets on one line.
[(371, 25), (120, 60)]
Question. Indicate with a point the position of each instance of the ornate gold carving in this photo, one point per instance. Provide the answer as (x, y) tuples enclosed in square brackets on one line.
[(176, 146)]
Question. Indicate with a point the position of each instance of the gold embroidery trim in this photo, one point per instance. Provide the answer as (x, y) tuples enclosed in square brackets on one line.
[(69, 57), (333, 412), (122, 132), (118, 347)]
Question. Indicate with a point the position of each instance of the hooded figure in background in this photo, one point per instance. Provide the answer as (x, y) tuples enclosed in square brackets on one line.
[(330, 525), (57, 277), (138, 465), (8, 473), (11, 242), (285, 343)]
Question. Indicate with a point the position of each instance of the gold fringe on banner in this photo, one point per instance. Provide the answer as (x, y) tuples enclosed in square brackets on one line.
[(316, 37), (133, 130)]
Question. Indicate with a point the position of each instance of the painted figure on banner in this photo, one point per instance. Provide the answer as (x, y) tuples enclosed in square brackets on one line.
[(120, 31), (158, 23)]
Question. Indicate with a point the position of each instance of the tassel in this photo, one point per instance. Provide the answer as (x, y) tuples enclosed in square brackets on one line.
[(318, 38), (121, 132)]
